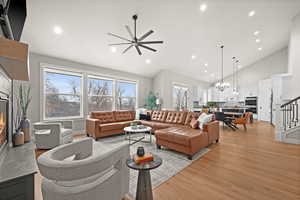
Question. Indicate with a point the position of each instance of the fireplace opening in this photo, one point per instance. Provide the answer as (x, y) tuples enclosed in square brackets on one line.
[(3, 121)]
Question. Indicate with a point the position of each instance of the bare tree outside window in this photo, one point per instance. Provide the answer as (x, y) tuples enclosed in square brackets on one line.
[(180, 98), (100, 94), (62, 95), (126, 95)]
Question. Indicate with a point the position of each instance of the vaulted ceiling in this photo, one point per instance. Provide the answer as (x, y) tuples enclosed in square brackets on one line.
[(186, 31)]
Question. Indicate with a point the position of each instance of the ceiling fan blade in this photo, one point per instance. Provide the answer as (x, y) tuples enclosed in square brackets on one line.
[(127, 48), (146, 35), (122, 38), (151, 42), (147, 47), (120, 43), (138, 50), (129, 31)]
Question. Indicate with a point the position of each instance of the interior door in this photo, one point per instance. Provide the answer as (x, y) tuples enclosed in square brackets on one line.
[(264, 100)]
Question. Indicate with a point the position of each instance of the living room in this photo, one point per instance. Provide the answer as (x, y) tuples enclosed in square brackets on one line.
[(149, 100)]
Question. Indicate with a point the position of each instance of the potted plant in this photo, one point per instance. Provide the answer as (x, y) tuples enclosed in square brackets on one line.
[(151, 101), (24, 101), (18, 135)]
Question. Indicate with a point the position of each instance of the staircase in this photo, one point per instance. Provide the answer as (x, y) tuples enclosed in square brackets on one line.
[(290, 123)]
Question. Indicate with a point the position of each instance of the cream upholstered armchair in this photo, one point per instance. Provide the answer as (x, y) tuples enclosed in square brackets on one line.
[(51, 134), (82, 171)]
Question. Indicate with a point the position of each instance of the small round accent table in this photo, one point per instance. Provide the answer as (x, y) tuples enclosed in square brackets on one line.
[(137, 129), (144, 187)]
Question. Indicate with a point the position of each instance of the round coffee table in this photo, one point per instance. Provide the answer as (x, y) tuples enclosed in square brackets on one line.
[(144, 187), (137, 129)]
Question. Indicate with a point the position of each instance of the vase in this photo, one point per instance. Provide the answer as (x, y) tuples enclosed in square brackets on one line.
[(18, 138), (25, 128)]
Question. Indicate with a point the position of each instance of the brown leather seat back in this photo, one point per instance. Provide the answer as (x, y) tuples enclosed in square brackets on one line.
[(190, 116), (121, 116), (176, 117), (159, 115), (103, 117)]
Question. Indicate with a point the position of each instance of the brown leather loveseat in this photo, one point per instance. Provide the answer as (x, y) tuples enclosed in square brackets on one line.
[(172, 130), (101, 124)]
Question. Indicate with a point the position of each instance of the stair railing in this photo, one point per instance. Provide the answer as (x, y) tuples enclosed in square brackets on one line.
[(290, 112)]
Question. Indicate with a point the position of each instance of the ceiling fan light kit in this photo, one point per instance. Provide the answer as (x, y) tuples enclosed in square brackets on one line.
[(135, 42)]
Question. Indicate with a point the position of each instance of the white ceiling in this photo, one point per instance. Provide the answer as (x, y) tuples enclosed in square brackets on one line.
[(185, 30)]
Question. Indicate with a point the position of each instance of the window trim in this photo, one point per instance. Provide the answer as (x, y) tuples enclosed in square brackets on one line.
[(178, 85), (136, 91), (55, 69), (89, 76)]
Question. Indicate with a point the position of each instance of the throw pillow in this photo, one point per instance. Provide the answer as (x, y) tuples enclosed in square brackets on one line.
[(204, 119), (194, 123)]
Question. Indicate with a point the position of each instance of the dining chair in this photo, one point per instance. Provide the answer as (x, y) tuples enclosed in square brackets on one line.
[(220, 116), (242, 120)]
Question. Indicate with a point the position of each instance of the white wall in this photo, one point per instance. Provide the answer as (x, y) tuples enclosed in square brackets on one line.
[(144, 83), (249, 77), (291, 86), (163, 85)]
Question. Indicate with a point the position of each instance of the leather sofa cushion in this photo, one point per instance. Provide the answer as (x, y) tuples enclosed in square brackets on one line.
[(123, 116), (176, 117), (179, 135), (159, 115), (111, 126), (194, 123), (190, 116), (104, 117)]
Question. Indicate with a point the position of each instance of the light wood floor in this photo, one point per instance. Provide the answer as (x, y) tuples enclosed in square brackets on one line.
[(244, 165)]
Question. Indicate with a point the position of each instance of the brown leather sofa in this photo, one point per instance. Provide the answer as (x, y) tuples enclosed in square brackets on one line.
[(101, 124), (172, 130)]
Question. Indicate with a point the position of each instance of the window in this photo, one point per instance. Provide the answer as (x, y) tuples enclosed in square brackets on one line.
[(180, 97), (126, 95), (100, 94), (62, 94)]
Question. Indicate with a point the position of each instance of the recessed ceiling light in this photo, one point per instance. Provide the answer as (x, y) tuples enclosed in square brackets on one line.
[(148, 61), (256, 32), (257, 40), (205, 71), (113, 49), (57, 30), (259, 48), (193, 57), (251, 13), (205, 64), (203, 7)]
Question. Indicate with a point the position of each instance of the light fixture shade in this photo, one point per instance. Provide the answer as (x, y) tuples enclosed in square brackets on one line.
[(158, 102)]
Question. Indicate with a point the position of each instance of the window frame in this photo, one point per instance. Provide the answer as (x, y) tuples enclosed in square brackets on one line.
[(136, 91), (89, 76), (178, 85), (54, 69)]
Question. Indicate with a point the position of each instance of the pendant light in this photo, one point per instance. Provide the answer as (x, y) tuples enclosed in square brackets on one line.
[(236, 92), (233, 75), (221, 85)]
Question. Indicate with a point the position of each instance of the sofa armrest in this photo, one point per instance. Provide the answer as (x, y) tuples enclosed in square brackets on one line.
[(92, 126), (213, 131)]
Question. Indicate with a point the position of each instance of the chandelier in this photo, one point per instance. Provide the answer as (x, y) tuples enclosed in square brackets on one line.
[(221, 85)]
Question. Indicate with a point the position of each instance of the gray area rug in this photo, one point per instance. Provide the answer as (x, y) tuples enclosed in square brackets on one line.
[(173, 162)]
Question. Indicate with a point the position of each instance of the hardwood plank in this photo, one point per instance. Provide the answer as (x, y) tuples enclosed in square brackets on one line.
[(246, 165)]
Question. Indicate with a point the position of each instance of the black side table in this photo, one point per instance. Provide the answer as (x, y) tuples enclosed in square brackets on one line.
[(144, 187)]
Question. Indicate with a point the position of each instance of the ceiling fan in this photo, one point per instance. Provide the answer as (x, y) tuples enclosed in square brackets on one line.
[(134, 41)]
